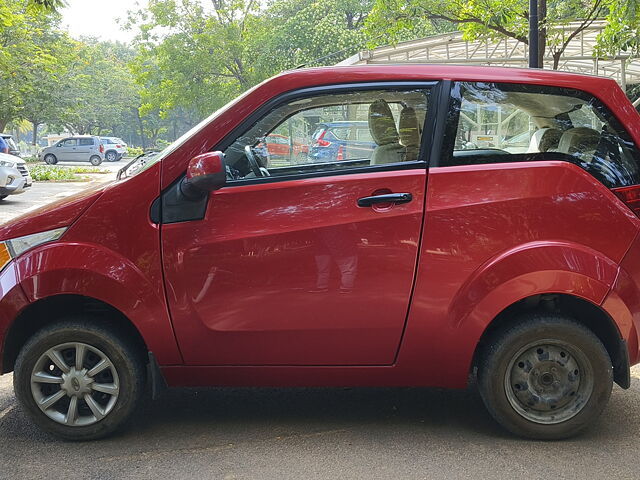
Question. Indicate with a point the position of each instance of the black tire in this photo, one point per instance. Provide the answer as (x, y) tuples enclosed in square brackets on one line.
[(95, 160), (533, 348), (111, 156), (2, 197), (50, 159), (124, 356)]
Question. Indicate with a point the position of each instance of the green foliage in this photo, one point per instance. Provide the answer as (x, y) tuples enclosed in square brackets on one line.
[(45, 173), (134, 151), (49, 173), (509, 18)]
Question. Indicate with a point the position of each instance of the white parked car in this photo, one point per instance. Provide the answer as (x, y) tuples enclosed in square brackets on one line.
[(114, 148), (14, 175), (75, 149)]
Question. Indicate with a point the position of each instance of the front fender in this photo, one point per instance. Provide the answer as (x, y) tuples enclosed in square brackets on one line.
[(96, 272)]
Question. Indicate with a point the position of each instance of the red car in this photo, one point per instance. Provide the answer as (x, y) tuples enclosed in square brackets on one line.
[(280, 146), (438, 256)]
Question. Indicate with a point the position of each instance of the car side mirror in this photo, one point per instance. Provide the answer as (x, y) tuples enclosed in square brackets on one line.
[(205, 173)]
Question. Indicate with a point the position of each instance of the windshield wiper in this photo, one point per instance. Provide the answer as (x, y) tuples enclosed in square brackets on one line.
[(122, 172)]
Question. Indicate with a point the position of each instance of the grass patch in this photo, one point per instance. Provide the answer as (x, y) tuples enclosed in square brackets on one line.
[(46, 173), (86, 169)]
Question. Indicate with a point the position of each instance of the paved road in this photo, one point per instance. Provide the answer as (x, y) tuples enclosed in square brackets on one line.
[(315, 433), (46, 192), (323, 433)]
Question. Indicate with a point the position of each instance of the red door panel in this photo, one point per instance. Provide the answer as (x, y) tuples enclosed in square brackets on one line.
[(243, 283)]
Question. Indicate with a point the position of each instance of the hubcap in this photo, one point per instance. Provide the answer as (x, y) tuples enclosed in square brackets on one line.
[(548, 382), (75, 384)]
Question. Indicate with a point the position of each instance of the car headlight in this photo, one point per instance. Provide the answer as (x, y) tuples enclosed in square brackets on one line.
[(10, 249), (5, 163)]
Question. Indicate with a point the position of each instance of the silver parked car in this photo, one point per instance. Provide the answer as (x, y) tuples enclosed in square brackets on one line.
[(114, 148), (75, 149), (14, 175)]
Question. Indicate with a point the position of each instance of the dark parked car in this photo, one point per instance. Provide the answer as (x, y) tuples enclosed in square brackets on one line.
[(341, 140), (419, 264), (13, 148)]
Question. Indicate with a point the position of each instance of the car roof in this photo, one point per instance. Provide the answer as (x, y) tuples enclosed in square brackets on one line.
[(405, 71)]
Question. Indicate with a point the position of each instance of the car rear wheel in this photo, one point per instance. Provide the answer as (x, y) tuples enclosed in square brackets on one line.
[(78, 381), (111, 156), (50, 159), (545, 377), (95, 160)]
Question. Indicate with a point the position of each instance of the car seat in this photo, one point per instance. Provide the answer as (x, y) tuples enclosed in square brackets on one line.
[(409, 132), (544, 140), (383, 131), (581, 142)]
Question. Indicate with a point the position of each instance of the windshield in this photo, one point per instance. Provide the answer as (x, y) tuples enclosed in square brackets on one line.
[(147, 159)]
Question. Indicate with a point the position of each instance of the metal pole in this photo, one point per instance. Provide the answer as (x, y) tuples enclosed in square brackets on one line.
[(533, 34)]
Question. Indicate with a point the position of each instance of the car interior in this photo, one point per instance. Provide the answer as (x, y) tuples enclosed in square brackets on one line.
[(394, 119), (562, 127)]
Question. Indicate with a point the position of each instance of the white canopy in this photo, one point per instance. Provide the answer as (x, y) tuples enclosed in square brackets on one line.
[(507, 52)]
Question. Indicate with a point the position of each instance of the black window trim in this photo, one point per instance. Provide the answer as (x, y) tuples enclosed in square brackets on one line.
[(287, 97)]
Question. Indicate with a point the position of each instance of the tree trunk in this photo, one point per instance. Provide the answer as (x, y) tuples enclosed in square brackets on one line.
[(142, 138), (3, 124), (34, 141)]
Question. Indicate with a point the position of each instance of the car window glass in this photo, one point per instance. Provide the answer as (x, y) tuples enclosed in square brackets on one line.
[(70, 142), (86, 141), (321, 134), (494, 123)]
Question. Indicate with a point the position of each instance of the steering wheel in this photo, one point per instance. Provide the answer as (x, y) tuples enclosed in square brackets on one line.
[(253, 163)]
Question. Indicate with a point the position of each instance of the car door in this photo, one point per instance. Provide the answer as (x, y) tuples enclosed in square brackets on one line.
[(67, 149), (310, 265), (85, 149)]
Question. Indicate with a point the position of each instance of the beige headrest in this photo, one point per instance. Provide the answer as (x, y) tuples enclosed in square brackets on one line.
[(409, 131), (381, 123), (544, 140), (579, 140)]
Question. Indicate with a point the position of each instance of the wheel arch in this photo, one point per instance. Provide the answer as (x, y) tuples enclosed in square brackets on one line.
[(51, 309), (583, 311)]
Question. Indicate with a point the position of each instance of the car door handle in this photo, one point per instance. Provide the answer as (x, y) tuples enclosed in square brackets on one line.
[(395, 198)]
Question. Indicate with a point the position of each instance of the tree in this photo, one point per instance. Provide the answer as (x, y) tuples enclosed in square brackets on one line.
[(496, 18), (24, 54)]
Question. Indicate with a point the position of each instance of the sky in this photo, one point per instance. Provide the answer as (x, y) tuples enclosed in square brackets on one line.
[(98, 18)]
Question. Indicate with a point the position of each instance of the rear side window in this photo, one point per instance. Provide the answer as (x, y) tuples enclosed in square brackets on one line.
[(497, 123), (86, 141)]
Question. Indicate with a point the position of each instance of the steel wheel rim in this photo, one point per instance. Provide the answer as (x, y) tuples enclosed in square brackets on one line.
[(75, 384), (548, 381)]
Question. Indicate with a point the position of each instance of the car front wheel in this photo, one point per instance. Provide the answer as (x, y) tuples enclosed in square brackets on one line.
[(50, 159), (545, 377), (78, 381)]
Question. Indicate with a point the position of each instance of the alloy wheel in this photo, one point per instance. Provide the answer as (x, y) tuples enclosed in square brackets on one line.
[(75, 384)]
